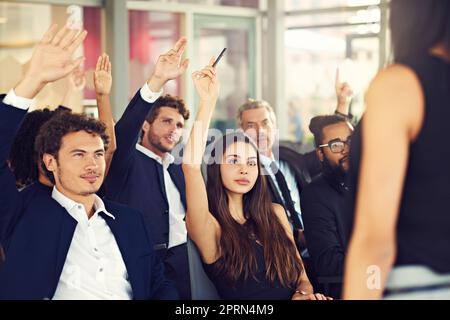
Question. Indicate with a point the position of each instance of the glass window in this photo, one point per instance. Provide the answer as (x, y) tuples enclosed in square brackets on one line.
[(237, 3), (151, 33), (366, 17), (22, 26), (312, 57), (318, 4), (237, 67)]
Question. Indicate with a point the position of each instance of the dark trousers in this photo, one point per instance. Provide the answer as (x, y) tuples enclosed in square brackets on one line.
[(176, 266)]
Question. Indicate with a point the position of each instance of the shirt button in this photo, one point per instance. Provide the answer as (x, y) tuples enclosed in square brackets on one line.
[(100, 270), (95, 249)]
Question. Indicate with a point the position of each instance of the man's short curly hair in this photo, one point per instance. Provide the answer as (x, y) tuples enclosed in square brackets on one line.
[(51, 133)]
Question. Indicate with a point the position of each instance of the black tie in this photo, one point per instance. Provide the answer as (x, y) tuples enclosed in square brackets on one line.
[(286, 194)]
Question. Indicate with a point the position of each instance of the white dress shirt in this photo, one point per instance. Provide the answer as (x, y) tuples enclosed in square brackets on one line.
[(13, 100), (148, 95), (94, 268), (177, 226)]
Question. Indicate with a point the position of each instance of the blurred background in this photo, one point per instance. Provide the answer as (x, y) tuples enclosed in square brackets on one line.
[(282, 51)]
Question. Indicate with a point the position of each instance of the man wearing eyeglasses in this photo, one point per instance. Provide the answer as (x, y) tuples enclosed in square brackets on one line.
[(324, 205)]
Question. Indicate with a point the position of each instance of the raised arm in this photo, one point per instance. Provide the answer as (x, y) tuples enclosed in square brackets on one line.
[(127, 130), (344, 95), (51, 61), (102, 83), (393, 119), (202, 227)]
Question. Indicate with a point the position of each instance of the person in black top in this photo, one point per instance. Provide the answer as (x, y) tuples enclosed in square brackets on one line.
[(401, 150), (324, 200), (247, 253)]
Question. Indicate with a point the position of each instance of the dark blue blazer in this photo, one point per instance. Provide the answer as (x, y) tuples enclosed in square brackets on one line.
[(137, 180), (36, 233)]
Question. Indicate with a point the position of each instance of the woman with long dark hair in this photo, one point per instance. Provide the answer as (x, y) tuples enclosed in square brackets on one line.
[(245, 240), (401, 238)]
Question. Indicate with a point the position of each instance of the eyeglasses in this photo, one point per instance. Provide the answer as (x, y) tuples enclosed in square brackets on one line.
[(336, 145)]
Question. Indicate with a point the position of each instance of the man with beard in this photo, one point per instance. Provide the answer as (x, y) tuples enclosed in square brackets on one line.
[(143, 174), (324, 200)]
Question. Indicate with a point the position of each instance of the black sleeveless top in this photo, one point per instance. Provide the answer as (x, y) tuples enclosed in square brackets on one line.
[(423, 229), (248, 289)]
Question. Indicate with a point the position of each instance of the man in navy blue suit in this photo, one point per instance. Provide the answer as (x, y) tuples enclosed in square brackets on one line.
[(70, 244), (145, 176)]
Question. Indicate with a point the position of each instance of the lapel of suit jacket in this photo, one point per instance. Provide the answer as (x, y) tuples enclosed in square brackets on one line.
[(160, 173), (276, 196), (121, 231)]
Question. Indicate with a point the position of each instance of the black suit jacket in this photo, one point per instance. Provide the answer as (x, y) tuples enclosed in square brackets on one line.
[(306, 166), (137, 180), (325, 209)]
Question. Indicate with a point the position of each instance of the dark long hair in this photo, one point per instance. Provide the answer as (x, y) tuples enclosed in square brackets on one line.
[(238, 257), (23, 160), (418, 25)]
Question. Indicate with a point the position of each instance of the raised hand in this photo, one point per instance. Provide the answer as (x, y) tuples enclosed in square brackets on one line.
[(169, 66), (102, 75), (344, 94), (206, 82), (51, 60)]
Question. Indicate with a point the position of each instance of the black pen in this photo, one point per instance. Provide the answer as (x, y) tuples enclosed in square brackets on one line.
[(219, 57)]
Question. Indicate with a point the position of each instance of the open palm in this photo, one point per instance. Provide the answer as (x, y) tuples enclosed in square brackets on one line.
[(102, 75), (52, 57)]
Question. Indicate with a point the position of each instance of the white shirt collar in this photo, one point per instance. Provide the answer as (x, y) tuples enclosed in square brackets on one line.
[(266, 161), (165, 162), (69, 204)]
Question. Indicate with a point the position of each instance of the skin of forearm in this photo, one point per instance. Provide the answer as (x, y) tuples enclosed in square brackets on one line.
[(197, 141), (105, 115), (363, 256), (155, 83), (28, 87), (343, 107)]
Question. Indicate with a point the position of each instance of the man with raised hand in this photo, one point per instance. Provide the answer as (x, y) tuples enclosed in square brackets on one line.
[(143, 174), (70, 244)]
